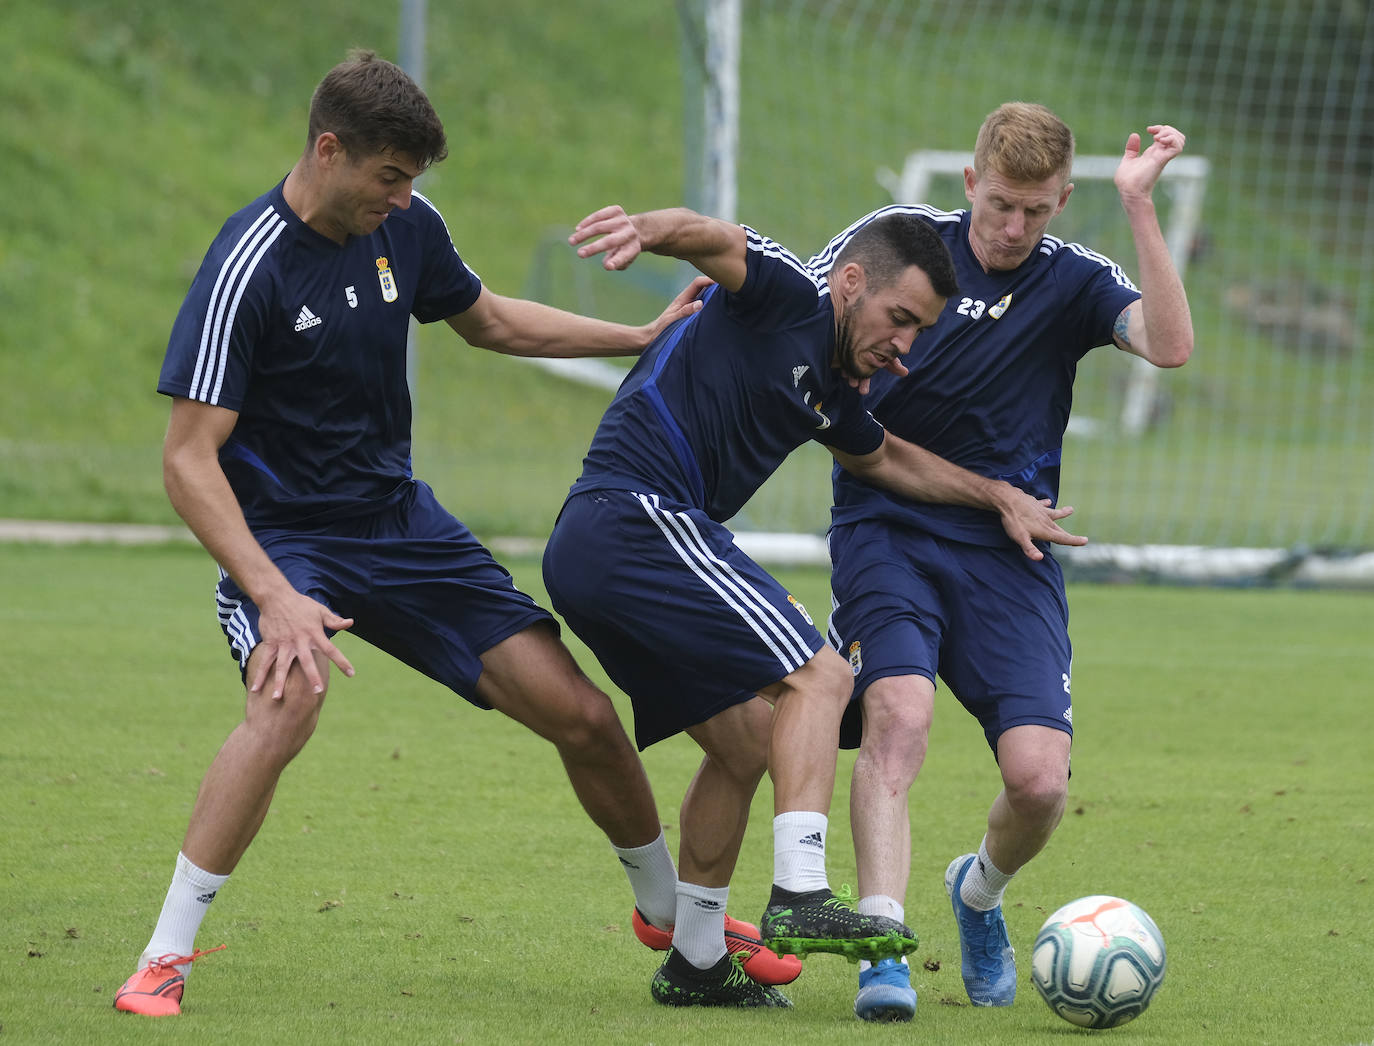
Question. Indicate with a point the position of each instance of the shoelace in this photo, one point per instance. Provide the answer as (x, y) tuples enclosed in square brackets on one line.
[(170, 960), (737, 978), (845, 897)]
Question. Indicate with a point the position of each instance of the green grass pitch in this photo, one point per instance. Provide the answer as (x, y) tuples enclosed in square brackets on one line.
[(425, 875)]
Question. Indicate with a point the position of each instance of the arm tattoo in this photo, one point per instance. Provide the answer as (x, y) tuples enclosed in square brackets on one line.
[(1120, 327)]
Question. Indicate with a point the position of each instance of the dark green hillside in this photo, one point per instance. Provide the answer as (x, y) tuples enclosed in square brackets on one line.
[(133, 129)]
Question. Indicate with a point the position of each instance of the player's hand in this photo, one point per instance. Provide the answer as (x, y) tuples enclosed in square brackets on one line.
[(1028, 519), (618, 238), (1138, 171), (292, 628), (686, 303)]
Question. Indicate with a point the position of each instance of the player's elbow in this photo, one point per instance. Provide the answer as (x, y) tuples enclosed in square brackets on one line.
[(1176, 353), (1169, 349)]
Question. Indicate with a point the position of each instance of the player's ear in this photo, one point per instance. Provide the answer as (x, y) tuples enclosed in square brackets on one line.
[(1063, 197), (853, 279), (328, 149), (970, 183)]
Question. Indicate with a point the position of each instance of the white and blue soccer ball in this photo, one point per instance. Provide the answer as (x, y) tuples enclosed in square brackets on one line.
[(1098, 961)]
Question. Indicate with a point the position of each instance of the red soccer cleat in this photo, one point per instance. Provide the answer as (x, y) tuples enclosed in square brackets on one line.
[(155, 990), (756, 959)]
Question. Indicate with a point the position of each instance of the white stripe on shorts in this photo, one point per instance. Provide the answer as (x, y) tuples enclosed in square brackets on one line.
[(758, 613), (235, 624)]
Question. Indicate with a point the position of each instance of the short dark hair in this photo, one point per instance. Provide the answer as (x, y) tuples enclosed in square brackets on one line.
[(886, 247), (372, 107)]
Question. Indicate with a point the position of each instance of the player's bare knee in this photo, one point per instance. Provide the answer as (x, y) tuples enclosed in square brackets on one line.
[(747, 763), (828, 675), (896, 728), (280, 727), (735, 742), (591, 725), (1039, 795)]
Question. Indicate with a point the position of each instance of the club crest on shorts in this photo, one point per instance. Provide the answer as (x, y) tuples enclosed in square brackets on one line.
[(800, 609), (856, 657), (386, 279)]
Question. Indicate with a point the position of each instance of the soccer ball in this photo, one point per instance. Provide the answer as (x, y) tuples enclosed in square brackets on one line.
[(1098, 961)]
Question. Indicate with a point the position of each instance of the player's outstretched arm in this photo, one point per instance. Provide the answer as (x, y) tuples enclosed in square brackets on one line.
[(717, 248), (1159, 327), (291, 625), (517, 327), (917, 474)]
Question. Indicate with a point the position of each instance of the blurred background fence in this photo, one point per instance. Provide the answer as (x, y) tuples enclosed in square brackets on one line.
[(1265, 440), (134, 128)]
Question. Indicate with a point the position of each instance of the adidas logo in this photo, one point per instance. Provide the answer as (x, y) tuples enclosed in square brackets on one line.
[(707, 906), (797, 373), (814, 839), (306, 320), (206, 898)]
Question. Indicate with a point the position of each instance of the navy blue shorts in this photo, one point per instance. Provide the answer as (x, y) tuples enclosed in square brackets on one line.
[(416, 582), (992, 623), (682, 621)]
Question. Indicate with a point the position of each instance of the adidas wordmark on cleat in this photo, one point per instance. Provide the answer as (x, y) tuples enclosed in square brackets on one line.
[(741, 938), (989, 964), (679, 983), (155, 990), (885, 992), (820, 921)]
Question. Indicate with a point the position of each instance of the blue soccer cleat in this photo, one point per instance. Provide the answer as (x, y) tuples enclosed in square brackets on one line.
[(989, 964), (885, 993)]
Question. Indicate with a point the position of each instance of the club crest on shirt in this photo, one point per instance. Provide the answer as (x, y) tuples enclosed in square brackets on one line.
[(825, 422), (386, 279), (856, 657), (800, 609), (996, 311)]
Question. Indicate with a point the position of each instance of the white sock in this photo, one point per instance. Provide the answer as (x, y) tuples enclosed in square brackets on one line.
[(880, 904), (188, 899), (653, 878), (799, 851), (699, 934), (864, 964), (985, 883)]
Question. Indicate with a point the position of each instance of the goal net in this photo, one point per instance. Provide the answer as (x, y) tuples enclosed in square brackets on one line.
[(1254, 461)]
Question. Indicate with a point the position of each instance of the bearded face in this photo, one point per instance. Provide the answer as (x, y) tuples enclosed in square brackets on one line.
[(878, 324)]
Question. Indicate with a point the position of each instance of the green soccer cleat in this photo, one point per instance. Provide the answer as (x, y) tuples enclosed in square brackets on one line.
[(820, 921), (679, 983)]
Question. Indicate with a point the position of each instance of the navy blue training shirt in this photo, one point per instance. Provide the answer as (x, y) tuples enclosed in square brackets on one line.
[(306, 339), (991, 382), (718, 401)]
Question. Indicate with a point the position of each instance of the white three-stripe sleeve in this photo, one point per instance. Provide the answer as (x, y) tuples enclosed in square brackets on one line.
[(233, 278)]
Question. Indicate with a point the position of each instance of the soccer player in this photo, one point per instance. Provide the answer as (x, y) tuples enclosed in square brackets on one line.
[(701, 638), (923, 588), (288, 455)]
